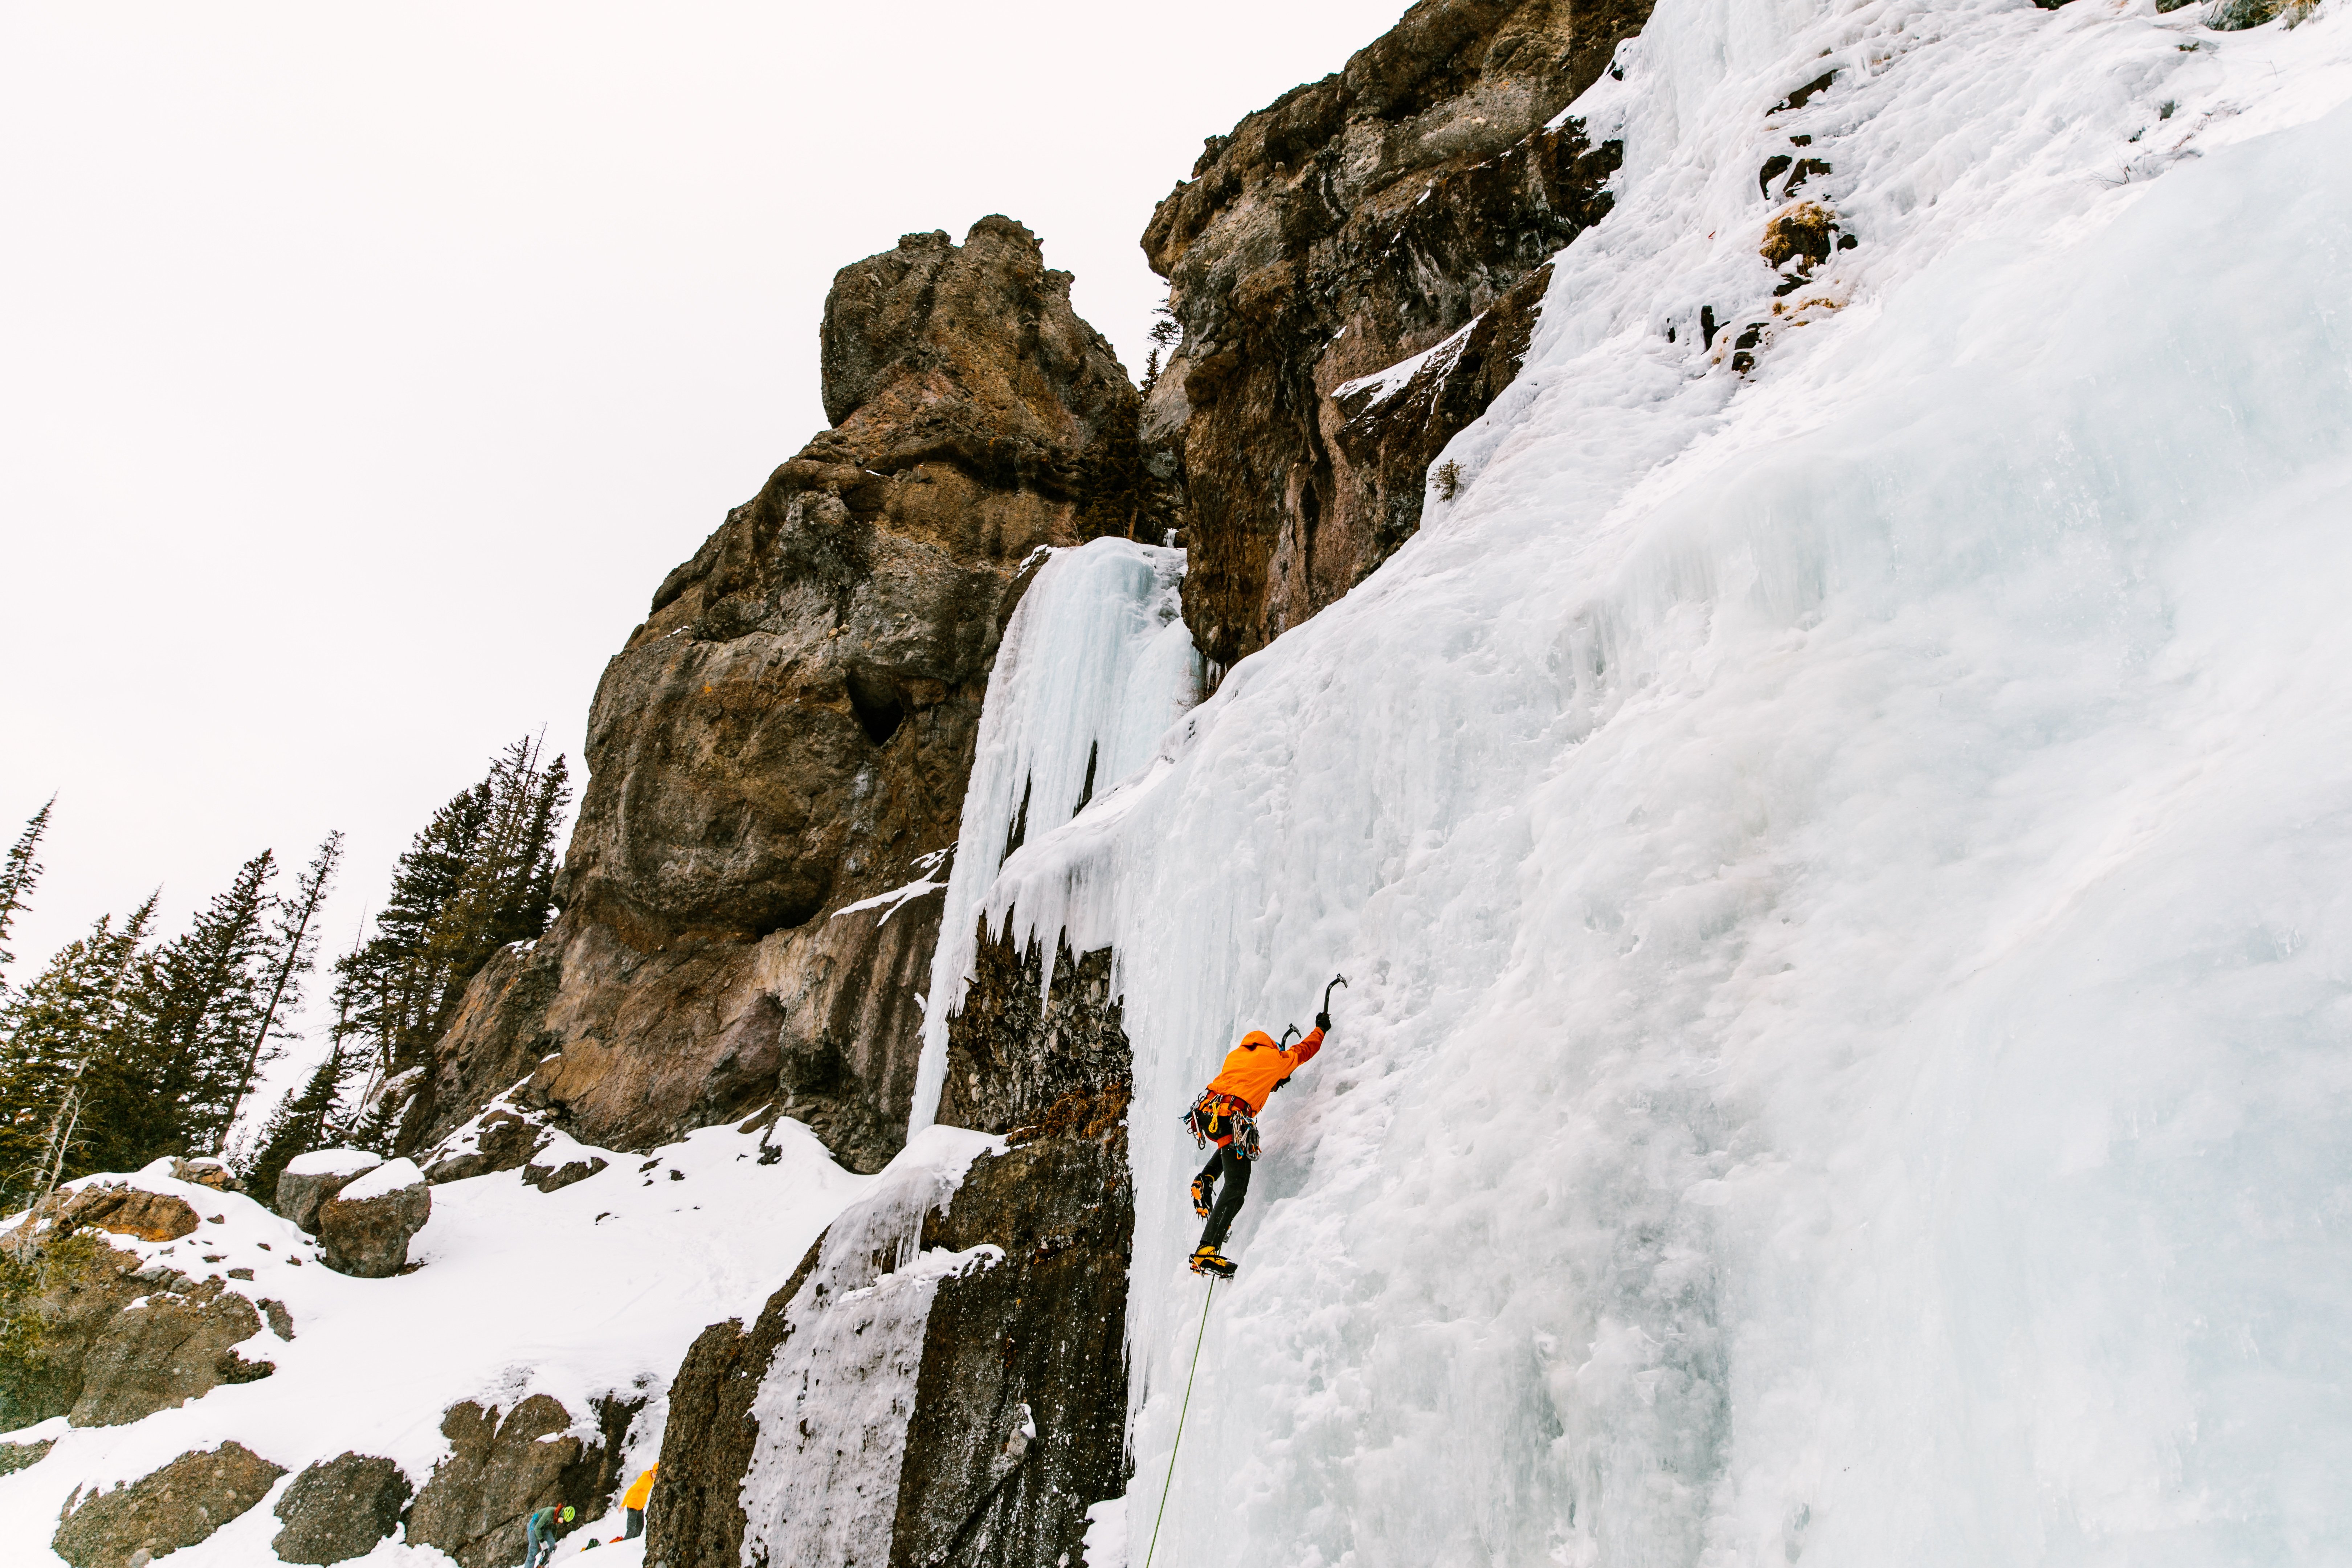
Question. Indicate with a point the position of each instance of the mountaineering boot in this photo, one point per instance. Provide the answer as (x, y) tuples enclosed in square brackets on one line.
[(1204, 1193), (1209, 1260)]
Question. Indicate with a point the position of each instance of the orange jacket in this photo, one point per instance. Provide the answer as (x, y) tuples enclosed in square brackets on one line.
[(1257, 1067), (635, 1496)]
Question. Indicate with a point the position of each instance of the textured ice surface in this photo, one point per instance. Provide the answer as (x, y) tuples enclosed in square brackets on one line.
[(1844, 868), (822, 1488), (1095, 664)]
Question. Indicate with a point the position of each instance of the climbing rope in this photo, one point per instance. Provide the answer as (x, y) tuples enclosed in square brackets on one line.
[(1170, 1479)]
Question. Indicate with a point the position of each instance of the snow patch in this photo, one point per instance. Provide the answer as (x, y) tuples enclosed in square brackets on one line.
[(392, 1176), (333, 1163)]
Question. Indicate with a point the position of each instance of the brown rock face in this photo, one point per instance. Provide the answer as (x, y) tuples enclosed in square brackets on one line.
[(790, 730), (301, 1194), (125, 1211), (101, 1361), (367, 1237), (177, 1506), (15, 1457), (82, 1284), (175, 1348), (474, 1506), (1034, 1337), (1354, 223), (339, 1508)]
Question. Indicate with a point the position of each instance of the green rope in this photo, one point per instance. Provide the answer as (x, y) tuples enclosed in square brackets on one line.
[(1167, 1481)]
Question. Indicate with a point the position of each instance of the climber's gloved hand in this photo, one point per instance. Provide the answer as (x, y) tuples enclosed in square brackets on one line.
[(1323, 1021)]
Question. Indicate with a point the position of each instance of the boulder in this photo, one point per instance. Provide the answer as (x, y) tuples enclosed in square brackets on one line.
[(206, 1171), (562, 1163), (499, 1472), (366, 1226), (340, 1508), (124, 1210), (172, 1346), (177, 1506), (309, 1180)]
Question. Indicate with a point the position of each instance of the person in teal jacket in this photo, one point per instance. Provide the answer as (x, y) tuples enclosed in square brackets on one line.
[(539, 1532)]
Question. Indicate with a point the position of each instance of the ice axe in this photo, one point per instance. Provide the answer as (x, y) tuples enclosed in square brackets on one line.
[(1336, 980)]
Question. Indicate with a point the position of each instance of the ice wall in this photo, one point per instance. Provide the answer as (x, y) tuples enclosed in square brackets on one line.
[(1843, 867), (1095, 665), (833, 1406)]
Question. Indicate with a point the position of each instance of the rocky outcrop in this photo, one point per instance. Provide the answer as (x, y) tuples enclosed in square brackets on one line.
[(110, 1206), (339, 1508), (499, 1472), (1011, 1058), (882, 1405), (789, 734), (206, 1171), (1390, 210), (309, 1180), (176, 1342), (178, 1506), (365, 1228), (15, 1457), (501, 1139), (81, 1285)]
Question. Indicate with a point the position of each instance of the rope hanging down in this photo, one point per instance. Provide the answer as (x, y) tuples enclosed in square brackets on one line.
[(1169, 1480)]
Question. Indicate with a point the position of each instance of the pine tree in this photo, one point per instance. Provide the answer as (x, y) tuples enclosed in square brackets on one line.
[(481, 876), (17, 876), (309, 1118), (295, 950), (206, 1002), (66, 1043), (298, 1124)]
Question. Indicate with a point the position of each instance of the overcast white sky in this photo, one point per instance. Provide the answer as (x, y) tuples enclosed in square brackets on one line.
[(362, 370)]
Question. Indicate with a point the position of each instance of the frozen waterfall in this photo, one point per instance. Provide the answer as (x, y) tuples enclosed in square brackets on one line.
[(1095, 666), (1844, 867)]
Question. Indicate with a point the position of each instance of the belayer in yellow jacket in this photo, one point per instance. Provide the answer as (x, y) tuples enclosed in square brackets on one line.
[(1253, 1071), (633, 1502)]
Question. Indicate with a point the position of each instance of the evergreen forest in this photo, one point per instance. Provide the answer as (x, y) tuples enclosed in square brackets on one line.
[(130, 1044)]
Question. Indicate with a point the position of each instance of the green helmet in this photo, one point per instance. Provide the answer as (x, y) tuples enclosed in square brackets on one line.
[(567, 1513)]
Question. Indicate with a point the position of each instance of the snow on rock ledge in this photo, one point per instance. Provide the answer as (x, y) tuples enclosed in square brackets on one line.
[(309, 1180)]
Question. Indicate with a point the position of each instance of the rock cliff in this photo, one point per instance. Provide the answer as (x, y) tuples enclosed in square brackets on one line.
[(787, 737), (1399, 207), (943, 1380)]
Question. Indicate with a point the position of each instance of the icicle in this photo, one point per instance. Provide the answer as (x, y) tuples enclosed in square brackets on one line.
[(1095, 666)]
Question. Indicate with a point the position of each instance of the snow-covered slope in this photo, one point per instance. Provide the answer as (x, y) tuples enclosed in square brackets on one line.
[(1843, 867), (594, 1288)]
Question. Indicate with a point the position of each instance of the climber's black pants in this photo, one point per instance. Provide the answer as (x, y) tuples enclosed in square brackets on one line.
[(1227, 1166)]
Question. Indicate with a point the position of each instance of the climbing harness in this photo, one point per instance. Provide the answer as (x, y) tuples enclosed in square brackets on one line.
[(1169, 1480), (1203, 1121)]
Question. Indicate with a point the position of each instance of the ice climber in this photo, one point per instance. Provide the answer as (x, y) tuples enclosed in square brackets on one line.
[(538, 1530), (1226, 1115)]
